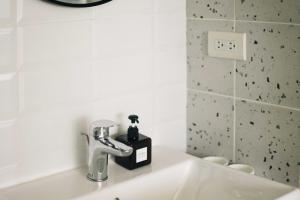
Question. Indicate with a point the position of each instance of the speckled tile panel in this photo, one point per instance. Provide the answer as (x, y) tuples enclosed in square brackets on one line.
[(213, 9), (268, 138), (272, 70), (204, 72), (209, 125), (268, 10)]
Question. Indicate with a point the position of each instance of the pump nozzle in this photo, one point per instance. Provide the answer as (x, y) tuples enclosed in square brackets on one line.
[(133, 118)]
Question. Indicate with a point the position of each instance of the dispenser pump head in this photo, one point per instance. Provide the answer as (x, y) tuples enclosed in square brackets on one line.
[(133, 119), (133, 131)]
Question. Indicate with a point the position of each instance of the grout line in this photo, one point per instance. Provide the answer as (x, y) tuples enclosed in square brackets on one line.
[(234, 7), (243, 99), (7, 76), (19, 14), (6, 30), (7, 123), (267, 104), (211, 93), (153, 71), (208, 19), (20, 61), (234, 112), (246, 21), (267, 22), (47, 22), (234, 94)]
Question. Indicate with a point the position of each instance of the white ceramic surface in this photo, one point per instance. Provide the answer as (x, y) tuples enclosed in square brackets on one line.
[(171, 176), (62, 67), (243, 168), (217, 160)]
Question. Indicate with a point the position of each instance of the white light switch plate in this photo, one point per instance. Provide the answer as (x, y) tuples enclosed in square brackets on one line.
[(227, 45)]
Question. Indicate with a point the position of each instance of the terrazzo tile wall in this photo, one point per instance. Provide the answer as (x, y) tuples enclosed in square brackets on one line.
[(248, 111)]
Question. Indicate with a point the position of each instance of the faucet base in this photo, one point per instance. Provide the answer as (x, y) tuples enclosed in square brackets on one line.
[(95, 180)]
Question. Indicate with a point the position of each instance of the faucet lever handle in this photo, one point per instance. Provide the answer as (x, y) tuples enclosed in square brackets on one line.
[(104, 123), (100, 128)]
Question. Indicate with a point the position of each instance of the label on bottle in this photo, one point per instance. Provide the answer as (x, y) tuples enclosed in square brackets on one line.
[(141, 155)]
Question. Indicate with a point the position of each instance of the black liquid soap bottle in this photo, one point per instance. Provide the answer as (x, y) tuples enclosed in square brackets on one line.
[(141, 145)]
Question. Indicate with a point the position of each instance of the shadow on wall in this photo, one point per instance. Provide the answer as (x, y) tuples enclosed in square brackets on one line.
[(81, 144)]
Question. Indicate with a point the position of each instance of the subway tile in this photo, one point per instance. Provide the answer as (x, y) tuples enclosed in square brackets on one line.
[(121, 75), (169, 103), (122, 35), (214, 9), (268, 10), (170, 61), (59, 145), (121, 8), (8, 13), (118, 109), (57, 41), (37, 12), (8, 50), (268, 138), (209, 125), (8, 176), (9, 145), (66, 83), (205, 72), (9, 101), (167, 33), (5, 9), (169, 134), (271, 72), (169, 6)]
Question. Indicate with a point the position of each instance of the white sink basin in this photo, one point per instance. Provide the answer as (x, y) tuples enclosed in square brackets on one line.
[(171, 176)]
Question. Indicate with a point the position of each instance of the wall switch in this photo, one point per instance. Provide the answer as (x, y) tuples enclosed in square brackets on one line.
[(227, 45)]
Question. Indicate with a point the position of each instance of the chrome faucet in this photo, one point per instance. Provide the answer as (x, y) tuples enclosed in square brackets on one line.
[(100, 145)]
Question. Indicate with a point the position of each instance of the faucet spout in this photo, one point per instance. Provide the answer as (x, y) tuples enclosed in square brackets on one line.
[(113, 147)]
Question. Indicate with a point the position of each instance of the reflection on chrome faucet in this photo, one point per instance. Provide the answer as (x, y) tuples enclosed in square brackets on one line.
[(100, 145)]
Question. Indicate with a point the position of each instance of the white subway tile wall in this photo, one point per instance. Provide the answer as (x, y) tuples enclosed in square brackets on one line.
[(61, 68), (8, 39)]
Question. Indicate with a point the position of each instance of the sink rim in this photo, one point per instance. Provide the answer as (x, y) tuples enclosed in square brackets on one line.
[(79, 186)]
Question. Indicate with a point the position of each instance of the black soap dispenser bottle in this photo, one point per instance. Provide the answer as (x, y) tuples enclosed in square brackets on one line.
[(140, 143)]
